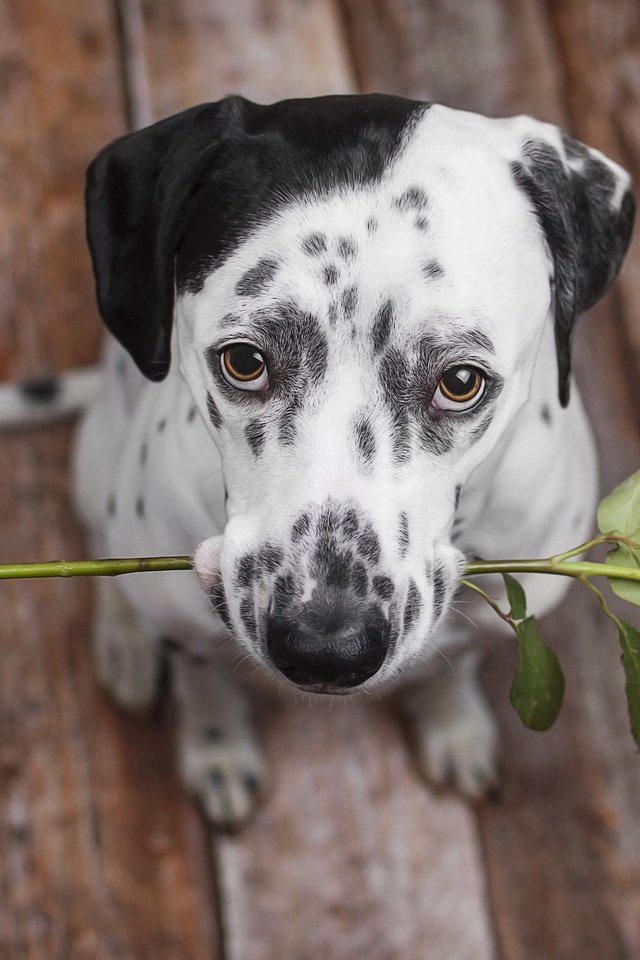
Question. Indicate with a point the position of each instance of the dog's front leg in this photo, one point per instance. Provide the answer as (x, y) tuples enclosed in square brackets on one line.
[(452, 729), (220, 758), (126, 654)]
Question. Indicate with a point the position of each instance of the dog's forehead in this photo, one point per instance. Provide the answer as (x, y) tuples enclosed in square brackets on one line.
[(444, 233)]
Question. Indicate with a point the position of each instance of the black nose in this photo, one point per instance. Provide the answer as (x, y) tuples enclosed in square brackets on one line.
[(342, 658)]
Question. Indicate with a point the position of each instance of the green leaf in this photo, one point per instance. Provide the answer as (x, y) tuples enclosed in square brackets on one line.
[(619, 511), (630, 642), (538, 686), (516, 596), (624, 556)]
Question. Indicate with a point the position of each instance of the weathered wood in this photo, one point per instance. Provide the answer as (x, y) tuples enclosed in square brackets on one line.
[(562, 848), (351, 856), (205, 49), (101, 854)]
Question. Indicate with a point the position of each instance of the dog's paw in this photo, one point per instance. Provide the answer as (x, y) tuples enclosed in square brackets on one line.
[(460, 751), (126, 656), (227, 774)]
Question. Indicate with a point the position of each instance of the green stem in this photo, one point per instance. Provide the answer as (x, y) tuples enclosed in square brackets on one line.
[(493, 603), (603, 603), (93, 568), (115, 567), (576, 570), (583, 547)]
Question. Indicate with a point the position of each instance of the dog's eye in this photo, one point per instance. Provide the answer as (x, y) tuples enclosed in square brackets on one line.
[(459, 388), (244, 367)]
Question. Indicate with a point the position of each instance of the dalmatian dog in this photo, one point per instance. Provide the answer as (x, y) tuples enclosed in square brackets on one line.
[(369, 302)]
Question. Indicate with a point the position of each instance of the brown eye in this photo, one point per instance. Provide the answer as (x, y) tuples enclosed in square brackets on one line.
[(459, 388), (244, 367)]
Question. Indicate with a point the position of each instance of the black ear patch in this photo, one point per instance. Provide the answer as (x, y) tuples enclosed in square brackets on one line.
[(586, 215), (138, 192), (188, 189)]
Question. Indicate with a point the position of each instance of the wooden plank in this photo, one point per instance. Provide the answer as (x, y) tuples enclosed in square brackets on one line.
[(100, 852), (562, 847), (351, 856), (204, 49)]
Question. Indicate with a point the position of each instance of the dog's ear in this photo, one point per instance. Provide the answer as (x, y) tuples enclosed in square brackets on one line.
[(138, 194), (585, 208)]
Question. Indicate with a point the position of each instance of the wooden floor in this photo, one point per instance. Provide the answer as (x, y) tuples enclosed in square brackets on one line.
[(101, 854)]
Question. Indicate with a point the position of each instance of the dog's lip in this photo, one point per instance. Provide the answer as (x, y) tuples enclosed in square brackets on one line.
[(206, 562), (325, 689)]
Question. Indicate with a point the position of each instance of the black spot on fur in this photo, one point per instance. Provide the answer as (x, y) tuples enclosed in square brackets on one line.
[(432, 270), (162, 424), (314, 244), (330, 275), (40, 390), (372, 225), (284, 590), (191, 415), (439, 592), (257, 278), (421, 223), (414, 198), (347, 248), (287, 427), (545, 413), (359, 579), (246, 572), (369, 545), (140, 507), (214, 413), (412, 607), (401, 436), (350, 523), (365, 440), (255, 433), (270, 558), (247, 615), (382, 327), (403, 533), (383, 586), (301, 527), (457, 495), (328, 521), (349, 301), (333, 564)]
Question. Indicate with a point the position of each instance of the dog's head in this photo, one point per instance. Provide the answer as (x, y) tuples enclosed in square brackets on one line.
[(360, 286)]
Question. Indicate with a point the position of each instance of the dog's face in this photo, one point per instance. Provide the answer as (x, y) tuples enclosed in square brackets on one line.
[(360, 299)]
